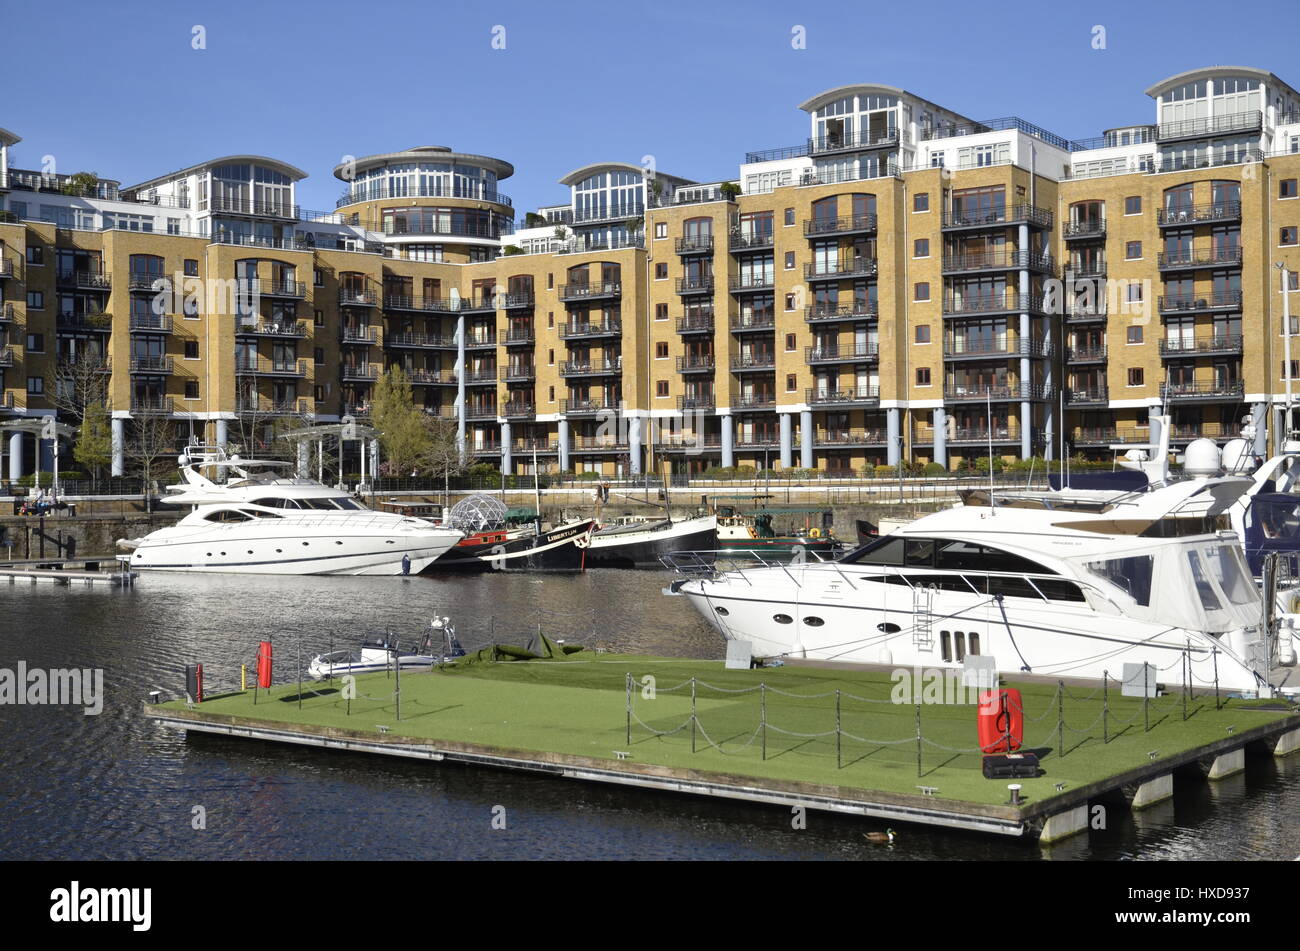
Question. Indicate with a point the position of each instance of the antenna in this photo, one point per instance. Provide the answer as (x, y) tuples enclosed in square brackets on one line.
[(988, 408)]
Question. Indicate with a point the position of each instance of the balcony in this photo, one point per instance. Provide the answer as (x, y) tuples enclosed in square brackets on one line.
[(6, 313), (1181, 303), (480, 341), (583, 443), (1203, 392), (1199, 214), (402, 302), (700, 324), (1002, 217), (151, 406), (358, 298), (610, 328), (254, 209), (1078, 355), (294, 290), (535, 443), (857, 141), (696, 404), (1110, 435), (84, 280), (846, 225), (152, 283), (695, 285), (851, 437), (518, 300), (687, 442), (855, 396), (1213, 346), (759, 401), (980, 436), (1084, 230), (983, 305), (970, 393), (517, 409), (96, 322), (591, 368), (6, 267), (285, 368), (520, 372), (9, 402), (695, 244), (588, 407), (1190, 259), (696, 364), (1087, 396), (520, 336), (151, 365), (264, 328), (481, 377), (855, 353), (6, 357), (958, 348), (753, 363), (741, 323), (262, 406), (484, 303), (422, 377), (1216, 431), (150, 323), (998, 261), (606, 290), (827, 312), (748, 283), (740, 241), (481, 411), (420, 341), (1089, 314), (1236, 122), (1087, 268), (364, 336), (360, 371), (837, 270)]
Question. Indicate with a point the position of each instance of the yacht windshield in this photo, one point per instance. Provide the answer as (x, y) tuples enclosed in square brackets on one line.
[(1131, 575)]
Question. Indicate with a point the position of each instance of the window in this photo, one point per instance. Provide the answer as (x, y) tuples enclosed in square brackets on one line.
[(550, 281), (35, 256), (791, 383), (318, 318), (191, 389), (1135, 377), (191, 349), (923, 333), (789, 216), (1287, 188), (318, 279), (1133, 205), (789, 260), (661, 388), (922, 376), (36, 384), (1133, 251), (550, 357), (661, 271), (1135, 335), (1131, 575), (921, 201), (318, 393), (921, 248), (790, 342), (661, 229), (35, 300), (922, 291), (790, 301), (661, 351), (318, 356), (36, 343), (191, 267), (661, 311), (1134, 292), (550, 319), (551, 393), (1287, 236)]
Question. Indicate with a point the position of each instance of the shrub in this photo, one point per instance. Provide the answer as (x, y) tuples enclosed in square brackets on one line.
[(935, 469), (883, 471)]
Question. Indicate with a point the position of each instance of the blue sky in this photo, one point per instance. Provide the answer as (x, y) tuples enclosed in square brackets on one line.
[(117, 89)]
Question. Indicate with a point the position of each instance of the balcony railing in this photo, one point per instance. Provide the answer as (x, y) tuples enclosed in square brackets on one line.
[(1222, 300), (695, 285), (857, 140), (817, 396), (999, 261), (260, 209), (360, 371), (362, 335), (1087, 396), (518, 300), (517, 336), (260, 405), (749, 241), (6, 268), (696, 364), (590, 367), (698, 324), (1106, 435), (754, 401), (264, 328), (6, 313), (588, 407), (150, 323), (598, 443), (1085, 354), (1084, 229), (6, 357), (442, 305), (378, 191), (575, 292), (155, 406), (1181, 346), (84, 280), (1091, 266), (1203, 391), (833, 270), (520, 372), (479, 377), (848, 224), (690, 404), (851, 437), (742, 323), (1212, 125), (1008, 302), (753, 361), (516, 409), (609, 328), (479, 341), (152, 283), (528, 444), (834, 354), (1199, 214), (99, 322), (995, 392), (151, 365), (481, 304), (358, 298), (422, 377), (1199, 258), (999, 217), (830, 312), (439, 341), (957, 348), (752, 282), (293, 289), (695, 244)]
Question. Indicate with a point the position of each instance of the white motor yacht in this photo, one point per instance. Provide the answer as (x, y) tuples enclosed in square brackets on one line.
[(258, 521), (1047, 586)]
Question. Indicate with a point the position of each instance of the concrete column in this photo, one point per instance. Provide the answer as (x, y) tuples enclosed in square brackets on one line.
[(940, 423), (806, 431), (1049, 379), (46, 460), (374, 459), (222, 433), (1279, 428), (1026, 429), (893, 446), (460, 383), (787, 441), (507, 460), (1026, 365), (15, 456), (1152, 413), (728, 443), (634, 444), (1259, 414), (564, 445), (119, 448), (304, 459)]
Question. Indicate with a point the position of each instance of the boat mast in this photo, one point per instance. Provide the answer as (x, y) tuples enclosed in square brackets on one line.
[(537, 494)]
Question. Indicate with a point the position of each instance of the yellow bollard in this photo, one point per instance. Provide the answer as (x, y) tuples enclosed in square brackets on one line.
[(243, 676)]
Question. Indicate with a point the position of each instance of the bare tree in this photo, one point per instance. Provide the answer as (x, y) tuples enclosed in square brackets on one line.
[(152, 442), (78, 383), (443, 456)]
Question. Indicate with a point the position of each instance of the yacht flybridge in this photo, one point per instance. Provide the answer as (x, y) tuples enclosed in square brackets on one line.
[(258, 521), (1057, 586)]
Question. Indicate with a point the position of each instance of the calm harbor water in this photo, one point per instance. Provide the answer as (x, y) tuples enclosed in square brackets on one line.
[(117, 787)]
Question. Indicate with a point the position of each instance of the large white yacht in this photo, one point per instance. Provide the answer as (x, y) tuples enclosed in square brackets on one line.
[(257, 521), (1050, 586)]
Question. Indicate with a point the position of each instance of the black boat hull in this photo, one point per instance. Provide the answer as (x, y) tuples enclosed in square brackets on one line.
[(645, 551), (560, 549)]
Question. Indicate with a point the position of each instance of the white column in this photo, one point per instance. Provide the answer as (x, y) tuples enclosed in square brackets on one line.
[(787, 441), (222, 433), (119, 447), (728, 443), (564, 445), (634, 444), (507, 461), (304, 459), (1026, 365), (894, 446), (806, 431), (15, 456), (460, 384), (1259, 414), (940, 426)]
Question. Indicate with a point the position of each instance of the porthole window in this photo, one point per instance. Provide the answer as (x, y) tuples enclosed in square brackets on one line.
[(723, 611), (782, 619), (888, 627), (338, 543), (813, 621), (279, 551)]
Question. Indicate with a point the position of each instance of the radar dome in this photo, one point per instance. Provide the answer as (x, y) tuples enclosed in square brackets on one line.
[(1237, 457), (1202, 458)]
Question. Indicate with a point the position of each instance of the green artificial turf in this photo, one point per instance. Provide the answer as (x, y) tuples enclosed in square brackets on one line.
[(578, 706)]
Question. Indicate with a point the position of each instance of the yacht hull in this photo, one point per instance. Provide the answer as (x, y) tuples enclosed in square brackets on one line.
[(644, 548), (561, 549)]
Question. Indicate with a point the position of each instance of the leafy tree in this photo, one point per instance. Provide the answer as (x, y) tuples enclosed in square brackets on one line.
[(403, 432), (94, 448), (82, 183)]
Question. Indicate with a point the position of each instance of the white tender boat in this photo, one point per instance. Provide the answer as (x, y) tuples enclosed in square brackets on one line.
[(259, 522)]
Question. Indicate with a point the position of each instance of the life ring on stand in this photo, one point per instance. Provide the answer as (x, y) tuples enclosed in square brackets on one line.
[(815, 533)]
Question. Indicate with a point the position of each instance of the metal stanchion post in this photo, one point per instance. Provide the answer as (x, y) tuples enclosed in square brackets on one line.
[(693, 720), (838, 764), (1060, 718), (762, 715)]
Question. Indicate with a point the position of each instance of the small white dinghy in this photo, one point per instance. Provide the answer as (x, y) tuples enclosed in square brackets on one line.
[(381, 652)]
